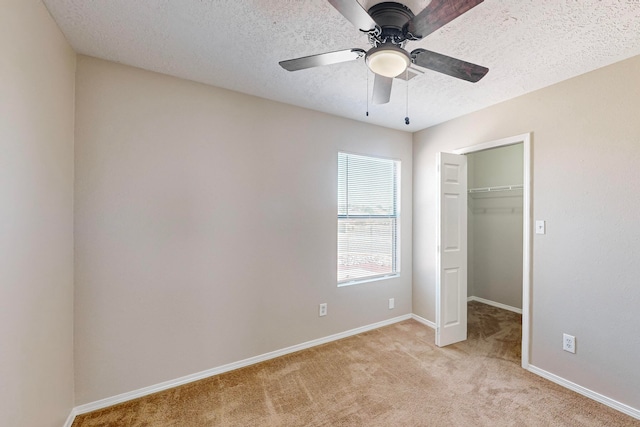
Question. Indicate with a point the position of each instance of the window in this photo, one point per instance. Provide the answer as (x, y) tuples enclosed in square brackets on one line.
[(368, 218)]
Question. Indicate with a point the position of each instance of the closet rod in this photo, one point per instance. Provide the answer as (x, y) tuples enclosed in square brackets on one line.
[(497, 188)]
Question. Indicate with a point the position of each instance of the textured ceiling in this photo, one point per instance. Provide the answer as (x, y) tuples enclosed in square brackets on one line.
[(237, 44)]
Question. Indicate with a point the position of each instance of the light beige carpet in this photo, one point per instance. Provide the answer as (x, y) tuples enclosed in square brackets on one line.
[(393, 376)]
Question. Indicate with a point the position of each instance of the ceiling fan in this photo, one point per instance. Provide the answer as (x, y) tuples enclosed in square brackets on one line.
[(389, 26)]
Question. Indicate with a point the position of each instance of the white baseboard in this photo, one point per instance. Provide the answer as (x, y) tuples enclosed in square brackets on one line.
[(424, 321), (496, 304), (625, 409), (70, 418), (110, 401)]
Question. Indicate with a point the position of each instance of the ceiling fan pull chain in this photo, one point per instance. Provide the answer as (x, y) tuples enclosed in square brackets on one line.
[(406, 119), (367, 71)]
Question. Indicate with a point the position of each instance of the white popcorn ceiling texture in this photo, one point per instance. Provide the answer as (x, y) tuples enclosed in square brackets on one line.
[(237, 44)]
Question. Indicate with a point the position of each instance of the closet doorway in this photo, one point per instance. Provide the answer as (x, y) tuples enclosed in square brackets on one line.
[(494, 227), (493, 231)]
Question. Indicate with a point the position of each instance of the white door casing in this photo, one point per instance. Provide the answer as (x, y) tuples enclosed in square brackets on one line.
[(526, 140), (451, 263)]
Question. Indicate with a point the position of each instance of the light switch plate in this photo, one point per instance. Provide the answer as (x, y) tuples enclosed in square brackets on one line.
[(541, 227)]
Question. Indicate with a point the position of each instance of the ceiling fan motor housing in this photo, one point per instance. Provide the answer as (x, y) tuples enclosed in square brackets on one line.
[(392, 18)]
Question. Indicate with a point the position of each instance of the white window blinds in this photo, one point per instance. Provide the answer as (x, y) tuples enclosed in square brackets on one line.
[(368, 217)]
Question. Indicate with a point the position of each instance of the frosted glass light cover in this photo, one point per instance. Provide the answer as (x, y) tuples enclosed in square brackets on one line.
[(388, 62)]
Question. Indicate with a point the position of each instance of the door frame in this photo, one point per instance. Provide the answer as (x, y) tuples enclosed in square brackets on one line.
[(524, 139)]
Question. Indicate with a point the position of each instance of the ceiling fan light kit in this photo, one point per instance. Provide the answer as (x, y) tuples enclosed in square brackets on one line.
[(389, 26), (388, 60)]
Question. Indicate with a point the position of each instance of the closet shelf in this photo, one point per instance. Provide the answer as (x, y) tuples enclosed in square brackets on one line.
[(497, 188)]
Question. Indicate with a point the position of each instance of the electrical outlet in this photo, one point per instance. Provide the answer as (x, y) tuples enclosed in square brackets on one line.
[(322, 310), (392, 303), (569, 343)]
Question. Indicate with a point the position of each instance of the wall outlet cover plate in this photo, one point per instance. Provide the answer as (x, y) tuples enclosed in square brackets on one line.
[(569, 343)]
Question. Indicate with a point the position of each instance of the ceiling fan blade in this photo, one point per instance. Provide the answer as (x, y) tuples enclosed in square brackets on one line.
[(382, 89), (352, 10), (448, 65), (322, 59), (437, 14)]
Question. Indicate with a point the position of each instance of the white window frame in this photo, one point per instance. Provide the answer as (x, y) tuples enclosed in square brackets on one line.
[(396, 260)]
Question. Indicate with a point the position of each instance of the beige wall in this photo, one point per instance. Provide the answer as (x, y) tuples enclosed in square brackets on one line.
[(206, 228), (496, 167), (586, 157), (495, 226), (36, 217)]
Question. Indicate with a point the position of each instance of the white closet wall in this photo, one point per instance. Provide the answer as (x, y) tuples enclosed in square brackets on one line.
[(495, 225)]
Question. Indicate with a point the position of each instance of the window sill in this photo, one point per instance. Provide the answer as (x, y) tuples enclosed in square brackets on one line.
[(368, 279)]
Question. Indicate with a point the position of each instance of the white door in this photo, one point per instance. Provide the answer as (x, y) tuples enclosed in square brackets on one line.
[(451, 268)]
